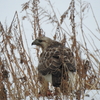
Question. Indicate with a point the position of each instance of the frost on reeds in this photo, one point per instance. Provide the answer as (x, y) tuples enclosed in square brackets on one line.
[(18, 74)]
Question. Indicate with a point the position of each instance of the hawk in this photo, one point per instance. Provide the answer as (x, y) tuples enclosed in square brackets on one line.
[(54, 61)]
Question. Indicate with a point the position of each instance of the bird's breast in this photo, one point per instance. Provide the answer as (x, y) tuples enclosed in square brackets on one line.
[(48, 78)]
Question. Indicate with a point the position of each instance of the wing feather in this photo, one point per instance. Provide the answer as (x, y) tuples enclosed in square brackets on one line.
[(56, 61)]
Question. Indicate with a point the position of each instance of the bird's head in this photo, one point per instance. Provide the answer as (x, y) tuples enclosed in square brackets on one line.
[(42, 42)]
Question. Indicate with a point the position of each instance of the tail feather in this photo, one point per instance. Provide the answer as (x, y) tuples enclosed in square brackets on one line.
[(71, 76)]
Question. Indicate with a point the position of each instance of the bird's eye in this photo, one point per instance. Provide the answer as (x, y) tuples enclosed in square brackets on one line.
[(40, 40)]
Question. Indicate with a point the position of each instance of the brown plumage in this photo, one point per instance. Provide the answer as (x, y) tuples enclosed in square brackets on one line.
[(55, 60)]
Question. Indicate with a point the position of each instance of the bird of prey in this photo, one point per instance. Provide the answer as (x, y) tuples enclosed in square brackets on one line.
[(55, 60)]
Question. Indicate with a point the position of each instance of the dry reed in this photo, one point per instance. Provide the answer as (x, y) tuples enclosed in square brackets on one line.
[(18, 75)]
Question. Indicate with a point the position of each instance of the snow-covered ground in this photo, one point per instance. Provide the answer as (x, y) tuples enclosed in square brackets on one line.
[(89, 95), (92, 95), (8, 8)]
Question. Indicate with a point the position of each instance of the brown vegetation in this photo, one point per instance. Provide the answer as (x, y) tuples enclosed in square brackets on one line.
[(18, 75)]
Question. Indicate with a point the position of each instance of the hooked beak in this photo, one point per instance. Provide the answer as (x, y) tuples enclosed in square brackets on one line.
[(35, 42)]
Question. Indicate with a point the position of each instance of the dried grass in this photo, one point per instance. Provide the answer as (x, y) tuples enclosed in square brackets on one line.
[(18, 75)]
